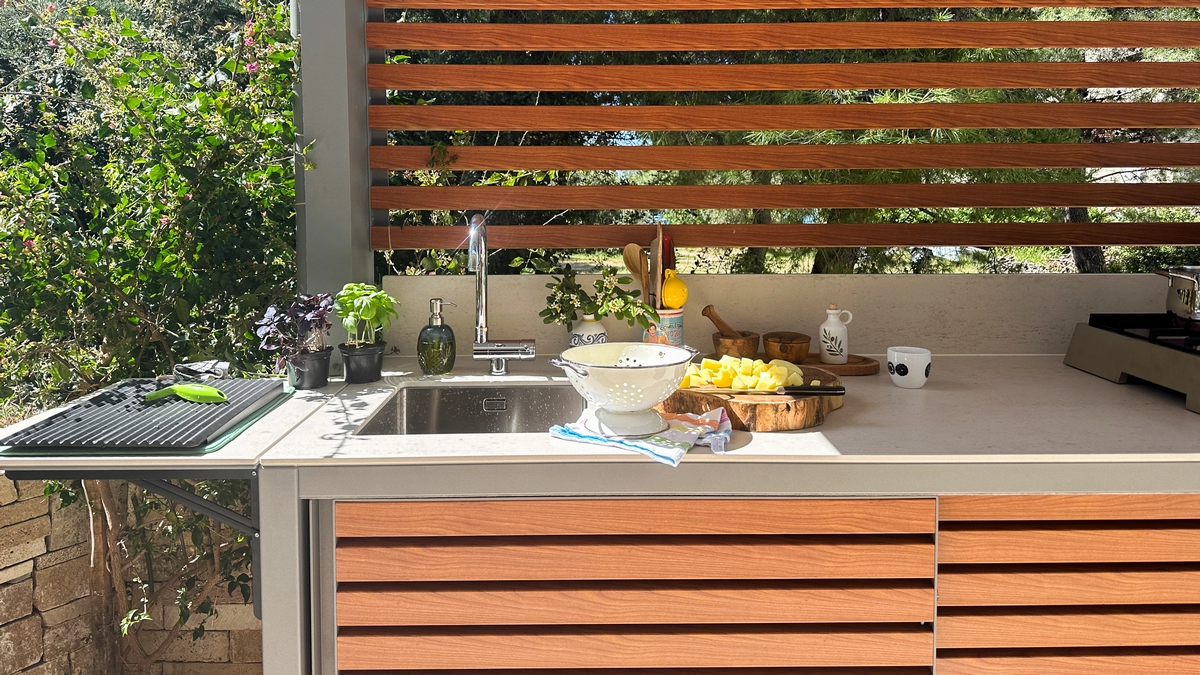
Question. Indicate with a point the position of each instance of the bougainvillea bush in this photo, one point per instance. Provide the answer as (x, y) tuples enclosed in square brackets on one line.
[(146, 189)]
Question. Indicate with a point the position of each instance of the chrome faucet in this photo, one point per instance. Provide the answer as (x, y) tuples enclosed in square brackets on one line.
[(499, 352)]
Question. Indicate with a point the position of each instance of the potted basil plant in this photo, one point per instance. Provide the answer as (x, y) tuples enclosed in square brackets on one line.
[(364, 310), (298, 336)]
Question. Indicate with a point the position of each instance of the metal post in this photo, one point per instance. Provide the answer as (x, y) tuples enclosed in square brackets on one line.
[(284, 578), (333, 209)]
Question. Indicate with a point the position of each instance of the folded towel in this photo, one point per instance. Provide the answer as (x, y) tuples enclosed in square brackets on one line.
[(712, 429)]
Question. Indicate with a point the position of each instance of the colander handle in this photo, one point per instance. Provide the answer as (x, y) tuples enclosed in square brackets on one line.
[(566, 365)]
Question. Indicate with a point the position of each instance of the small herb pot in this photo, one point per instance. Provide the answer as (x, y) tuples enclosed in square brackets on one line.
[(363, 364), (314, 372)]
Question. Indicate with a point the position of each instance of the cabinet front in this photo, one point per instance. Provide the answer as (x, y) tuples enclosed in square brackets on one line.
[(630, 584)]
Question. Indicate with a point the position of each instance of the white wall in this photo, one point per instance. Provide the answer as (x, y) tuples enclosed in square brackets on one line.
[(950, 314)]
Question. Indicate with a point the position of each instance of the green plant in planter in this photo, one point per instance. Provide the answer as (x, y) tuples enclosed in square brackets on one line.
[(364, 311), (568, 299)]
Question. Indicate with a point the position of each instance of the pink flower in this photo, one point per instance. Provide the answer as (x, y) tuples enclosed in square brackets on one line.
[(50, 7), (252, 67), (164, 220), (248, 41), (53, 42), (188, 197), (28, 243)]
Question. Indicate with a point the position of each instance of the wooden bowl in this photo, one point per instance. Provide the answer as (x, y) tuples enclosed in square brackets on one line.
[(745, 347), (786, 345)]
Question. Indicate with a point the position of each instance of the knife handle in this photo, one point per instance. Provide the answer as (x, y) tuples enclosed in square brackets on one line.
[(824, 390)]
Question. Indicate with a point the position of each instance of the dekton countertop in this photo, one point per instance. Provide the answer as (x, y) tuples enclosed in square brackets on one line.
[(974, 408)]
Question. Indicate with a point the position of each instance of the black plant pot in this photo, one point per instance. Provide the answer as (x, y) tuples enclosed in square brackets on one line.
[(315, 373), (363, 364)]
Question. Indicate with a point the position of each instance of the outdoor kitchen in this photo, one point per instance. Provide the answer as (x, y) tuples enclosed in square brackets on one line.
[(617, 461)]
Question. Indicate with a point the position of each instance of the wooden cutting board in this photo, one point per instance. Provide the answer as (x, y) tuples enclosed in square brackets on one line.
[(762, 412), (854, 365)]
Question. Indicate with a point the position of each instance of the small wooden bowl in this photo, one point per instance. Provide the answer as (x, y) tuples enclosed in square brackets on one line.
[(786, 345), (745, 347)]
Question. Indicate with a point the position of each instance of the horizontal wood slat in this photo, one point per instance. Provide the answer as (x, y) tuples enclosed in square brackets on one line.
[(786, 77), (595, 5), (782, 36), (579, 558), (1063, 629), (898, 670), (1069, 507), (1112, 662), (1050, 586), (634, 516), (784, 117), (1062, 544), (368, 648), (779, 157), (803, 235), (889, 195), (657, 603)]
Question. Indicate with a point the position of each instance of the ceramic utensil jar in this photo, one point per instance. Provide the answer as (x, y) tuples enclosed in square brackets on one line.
[(835, 347)]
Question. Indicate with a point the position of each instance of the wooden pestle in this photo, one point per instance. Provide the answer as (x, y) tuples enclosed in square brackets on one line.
[(725, 329)]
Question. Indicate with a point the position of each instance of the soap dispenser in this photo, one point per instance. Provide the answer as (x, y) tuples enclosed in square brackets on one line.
[(435, 344)]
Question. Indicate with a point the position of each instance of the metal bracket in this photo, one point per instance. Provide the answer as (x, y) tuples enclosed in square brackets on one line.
[(248, 526), (158, 483)]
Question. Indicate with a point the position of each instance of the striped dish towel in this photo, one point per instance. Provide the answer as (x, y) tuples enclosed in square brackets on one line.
[(712, 429)]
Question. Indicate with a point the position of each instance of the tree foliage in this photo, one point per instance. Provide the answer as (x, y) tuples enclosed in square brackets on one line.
[(146, 193)]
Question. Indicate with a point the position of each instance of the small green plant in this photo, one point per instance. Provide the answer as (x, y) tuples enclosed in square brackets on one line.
[(567, 299), (364, 311)]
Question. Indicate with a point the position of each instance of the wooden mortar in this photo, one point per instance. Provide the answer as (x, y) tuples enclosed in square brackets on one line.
[(745, 346), (786, 345)]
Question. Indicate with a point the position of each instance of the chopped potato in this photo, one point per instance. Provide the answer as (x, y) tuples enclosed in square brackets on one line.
[(731, 372)]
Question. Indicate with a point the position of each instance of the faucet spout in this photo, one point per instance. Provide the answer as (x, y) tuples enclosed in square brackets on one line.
[(477, 263), (500, 351)]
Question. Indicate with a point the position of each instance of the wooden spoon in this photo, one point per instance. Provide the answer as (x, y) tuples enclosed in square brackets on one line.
[(635, 262), (725, 329)]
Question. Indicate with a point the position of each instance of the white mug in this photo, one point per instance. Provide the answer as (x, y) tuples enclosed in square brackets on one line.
[(909, 366)]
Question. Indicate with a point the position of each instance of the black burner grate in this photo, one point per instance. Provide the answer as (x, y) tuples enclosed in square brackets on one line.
[(1162, 329), (118, 417)]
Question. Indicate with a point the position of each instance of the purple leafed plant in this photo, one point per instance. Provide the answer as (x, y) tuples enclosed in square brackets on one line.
[(300, 330)]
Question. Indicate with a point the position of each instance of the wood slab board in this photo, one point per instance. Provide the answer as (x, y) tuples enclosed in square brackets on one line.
[(854, 366), (762, 412)]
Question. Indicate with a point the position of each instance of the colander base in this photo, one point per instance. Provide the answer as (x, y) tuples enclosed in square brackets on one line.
[(637, 424)]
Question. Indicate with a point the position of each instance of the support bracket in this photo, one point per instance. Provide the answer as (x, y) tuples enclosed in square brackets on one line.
[(159, 483)]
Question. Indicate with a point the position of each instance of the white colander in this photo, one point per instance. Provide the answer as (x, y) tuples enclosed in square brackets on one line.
[(623, 381)]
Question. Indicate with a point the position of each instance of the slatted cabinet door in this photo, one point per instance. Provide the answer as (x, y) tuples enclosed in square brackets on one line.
[(1069, 585), (636, 586)]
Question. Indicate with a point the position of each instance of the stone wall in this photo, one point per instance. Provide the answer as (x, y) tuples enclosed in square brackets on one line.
[(47, 622)]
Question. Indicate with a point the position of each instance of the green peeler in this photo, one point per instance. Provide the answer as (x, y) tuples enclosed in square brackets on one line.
[(190, 391)]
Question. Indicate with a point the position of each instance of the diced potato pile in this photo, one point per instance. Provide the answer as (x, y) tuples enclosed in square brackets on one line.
[(733, 373)]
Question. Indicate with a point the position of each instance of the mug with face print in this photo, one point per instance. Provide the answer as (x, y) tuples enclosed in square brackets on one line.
[(909, 366)]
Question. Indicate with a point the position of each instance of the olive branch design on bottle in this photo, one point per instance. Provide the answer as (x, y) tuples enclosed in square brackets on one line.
[(833, 344)]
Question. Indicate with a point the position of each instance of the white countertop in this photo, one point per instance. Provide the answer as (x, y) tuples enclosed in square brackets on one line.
[(974, 408)]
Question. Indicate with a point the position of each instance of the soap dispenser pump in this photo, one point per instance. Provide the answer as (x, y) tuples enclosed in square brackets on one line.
[(435, 344)]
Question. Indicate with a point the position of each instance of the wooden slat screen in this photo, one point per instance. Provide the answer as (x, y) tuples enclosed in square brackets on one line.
[(470, 78), (634, 587), (1097, 584)]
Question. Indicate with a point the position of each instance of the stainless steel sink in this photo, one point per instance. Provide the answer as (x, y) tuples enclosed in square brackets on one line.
[(475, 410)]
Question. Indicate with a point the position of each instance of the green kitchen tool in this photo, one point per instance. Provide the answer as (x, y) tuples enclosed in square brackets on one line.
[(190, 391)]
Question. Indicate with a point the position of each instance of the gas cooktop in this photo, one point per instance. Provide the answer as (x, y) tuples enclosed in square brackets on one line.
[(1157, 348)]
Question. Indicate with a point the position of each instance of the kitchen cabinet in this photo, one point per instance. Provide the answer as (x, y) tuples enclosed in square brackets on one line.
[(635, 584), (1008, 584)]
